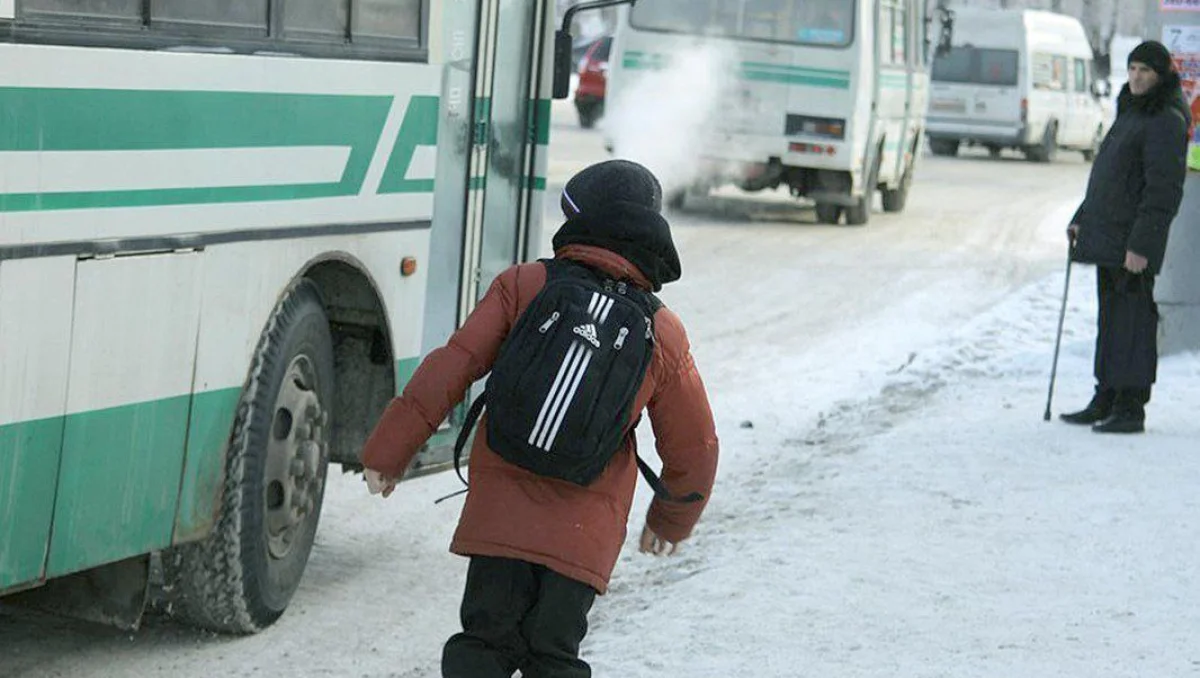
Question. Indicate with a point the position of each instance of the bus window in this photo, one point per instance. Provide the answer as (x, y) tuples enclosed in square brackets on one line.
[(316, 19), (249, 14), (115, 10), (815, 22), (387, 19)]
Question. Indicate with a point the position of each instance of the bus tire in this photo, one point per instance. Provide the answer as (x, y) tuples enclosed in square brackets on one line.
[(241, 577), (894, 199), (828, 213), (859, 213)]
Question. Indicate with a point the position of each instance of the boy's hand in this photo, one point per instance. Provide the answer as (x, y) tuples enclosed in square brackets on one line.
[(377, 483), (655, 545)]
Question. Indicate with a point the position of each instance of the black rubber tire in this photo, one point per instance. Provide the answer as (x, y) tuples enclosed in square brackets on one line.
[(230, 582), (1089, 154), (1048, 148), (894, 199), (859, 213), (589, 114), (947, 147), (828, 213)]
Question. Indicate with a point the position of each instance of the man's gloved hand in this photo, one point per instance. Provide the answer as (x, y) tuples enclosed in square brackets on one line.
[(377, 483)]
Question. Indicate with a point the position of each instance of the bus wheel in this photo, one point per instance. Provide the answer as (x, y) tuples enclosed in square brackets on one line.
[(241, 577), (894, 199), (828, 213), (859, 213)]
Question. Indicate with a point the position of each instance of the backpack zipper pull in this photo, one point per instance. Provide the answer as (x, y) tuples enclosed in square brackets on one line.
[(621, 338), (546, 325)]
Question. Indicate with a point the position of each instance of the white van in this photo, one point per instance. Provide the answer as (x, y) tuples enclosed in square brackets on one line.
[(1016, 79)]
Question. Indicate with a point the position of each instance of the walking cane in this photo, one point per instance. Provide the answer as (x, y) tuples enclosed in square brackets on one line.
[(1062, 314)]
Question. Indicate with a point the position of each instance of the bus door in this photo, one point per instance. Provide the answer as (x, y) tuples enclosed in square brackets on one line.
[(499, 210), (35, 340)]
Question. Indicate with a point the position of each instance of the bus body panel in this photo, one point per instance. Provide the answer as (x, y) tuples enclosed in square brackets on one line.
[(155, 206), (36, 299)]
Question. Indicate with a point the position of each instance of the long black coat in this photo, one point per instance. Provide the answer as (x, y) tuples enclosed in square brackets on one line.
[(1137, 179)]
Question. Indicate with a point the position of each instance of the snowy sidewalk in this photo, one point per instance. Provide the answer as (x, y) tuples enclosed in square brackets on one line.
[(938, 527)]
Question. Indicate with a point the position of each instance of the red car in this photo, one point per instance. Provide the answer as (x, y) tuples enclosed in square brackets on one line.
[(593, 77)]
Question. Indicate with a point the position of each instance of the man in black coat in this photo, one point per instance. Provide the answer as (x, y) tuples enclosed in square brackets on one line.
[(1132, 196)]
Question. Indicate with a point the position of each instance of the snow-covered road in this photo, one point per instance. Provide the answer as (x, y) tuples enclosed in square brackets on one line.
[(889, 501)]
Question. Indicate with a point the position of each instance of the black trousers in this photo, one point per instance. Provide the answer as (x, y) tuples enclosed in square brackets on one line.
[(1126, 331), (517, 615)]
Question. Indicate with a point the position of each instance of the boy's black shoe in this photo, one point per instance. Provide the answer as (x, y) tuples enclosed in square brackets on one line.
[(1096, 411)]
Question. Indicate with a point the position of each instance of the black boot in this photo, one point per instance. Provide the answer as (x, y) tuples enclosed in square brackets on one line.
[(1128, 413), (1097, 410)]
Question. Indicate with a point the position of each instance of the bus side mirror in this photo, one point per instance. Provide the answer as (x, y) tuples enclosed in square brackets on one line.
[(562, 64)]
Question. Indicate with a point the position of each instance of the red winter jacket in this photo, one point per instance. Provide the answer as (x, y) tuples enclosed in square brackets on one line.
[(513, 513)]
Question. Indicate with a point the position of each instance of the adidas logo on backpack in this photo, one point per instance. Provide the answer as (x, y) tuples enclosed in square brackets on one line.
[(588, 332), (561, 392)]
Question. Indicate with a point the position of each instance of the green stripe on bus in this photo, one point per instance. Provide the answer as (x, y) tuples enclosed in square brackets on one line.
[(418, 129), (52, 119), (28, 472), (118, 486), (541, 122), (209, 427), (754, 71)]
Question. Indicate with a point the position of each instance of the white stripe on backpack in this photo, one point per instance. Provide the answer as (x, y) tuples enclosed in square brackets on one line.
[(566, 382)]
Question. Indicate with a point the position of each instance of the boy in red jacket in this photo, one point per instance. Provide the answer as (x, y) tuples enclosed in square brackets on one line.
[(541, 549)]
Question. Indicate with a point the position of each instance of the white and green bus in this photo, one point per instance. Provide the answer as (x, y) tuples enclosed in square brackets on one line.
[(228, 231), (826, 97)]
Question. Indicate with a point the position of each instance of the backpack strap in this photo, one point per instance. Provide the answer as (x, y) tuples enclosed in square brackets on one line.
[(660, 490), (465, 432)]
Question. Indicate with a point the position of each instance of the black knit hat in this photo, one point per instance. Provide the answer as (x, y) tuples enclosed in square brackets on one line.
[(1154, 54), (608, 182), (617, 205)]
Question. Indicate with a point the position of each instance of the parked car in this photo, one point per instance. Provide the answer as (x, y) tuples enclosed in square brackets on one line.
[(593, 80)]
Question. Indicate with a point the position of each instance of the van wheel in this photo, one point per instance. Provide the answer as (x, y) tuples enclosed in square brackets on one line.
[(828, 213), (241, 577), (1089, 154), (947, 147), (1045, 151)]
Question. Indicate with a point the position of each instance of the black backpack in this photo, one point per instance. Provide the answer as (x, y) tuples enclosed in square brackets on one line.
[(561, 391)]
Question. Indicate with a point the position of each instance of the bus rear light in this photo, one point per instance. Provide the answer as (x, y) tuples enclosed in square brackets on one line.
[(1024, 110), (408, 266), (818, 149)]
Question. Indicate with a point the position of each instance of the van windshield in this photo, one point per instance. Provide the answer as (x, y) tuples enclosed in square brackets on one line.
[(977, 66), (809, 22)]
